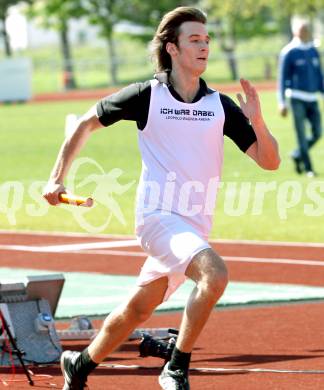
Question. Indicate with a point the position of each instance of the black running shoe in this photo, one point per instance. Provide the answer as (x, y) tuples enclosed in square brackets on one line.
[(73, 381), (173, 380), (299, 168)]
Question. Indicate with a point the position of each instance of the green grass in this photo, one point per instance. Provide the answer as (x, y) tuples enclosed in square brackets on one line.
[(31, 135)]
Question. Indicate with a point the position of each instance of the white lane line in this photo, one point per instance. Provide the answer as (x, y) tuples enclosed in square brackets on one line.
[(236, 259), (268, 243), (129, 237), (273, 261), (70, 247), (66, 234), (114, 253), (99, 248), (218, 369)]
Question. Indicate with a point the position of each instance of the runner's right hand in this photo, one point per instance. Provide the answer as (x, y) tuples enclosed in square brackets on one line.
[(51, 192)]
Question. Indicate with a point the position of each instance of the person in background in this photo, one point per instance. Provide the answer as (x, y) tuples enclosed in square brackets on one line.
[(300, 80)]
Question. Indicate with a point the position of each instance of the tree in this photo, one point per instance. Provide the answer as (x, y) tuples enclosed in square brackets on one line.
[(235, 20), (56, 14), (4, 7), (306, 7), (149, 13), (105, 15), (283, 10)]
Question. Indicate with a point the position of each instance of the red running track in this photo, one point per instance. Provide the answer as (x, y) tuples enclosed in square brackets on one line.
[(286, 337)]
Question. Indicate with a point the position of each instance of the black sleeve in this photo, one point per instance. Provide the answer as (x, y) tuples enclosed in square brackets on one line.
[(130, 103), (237, 126)]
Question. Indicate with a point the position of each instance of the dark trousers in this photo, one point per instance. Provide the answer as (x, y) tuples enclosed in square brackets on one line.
[(302, 112)]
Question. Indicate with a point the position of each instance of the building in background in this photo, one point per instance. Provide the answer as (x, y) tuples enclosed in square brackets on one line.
[(27, 34)]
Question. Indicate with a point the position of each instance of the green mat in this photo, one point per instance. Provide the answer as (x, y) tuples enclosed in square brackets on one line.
[(97, 294)]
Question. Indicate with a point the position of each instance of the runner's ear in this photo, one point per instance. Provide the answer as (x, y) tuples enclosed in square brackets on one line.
[(171, 48)]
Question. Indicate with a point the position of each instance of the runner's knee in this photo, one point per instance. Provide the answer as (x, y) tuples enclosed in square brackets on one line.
[(210, 273), (214, 283)]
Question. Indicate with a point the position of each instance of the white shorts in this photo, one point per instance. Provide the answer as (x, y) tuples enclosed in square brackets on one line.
[(171, 244)]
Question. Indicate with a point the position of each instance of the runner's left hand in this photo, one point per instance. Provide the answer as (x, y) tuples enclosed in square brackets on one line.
[(251, 105)]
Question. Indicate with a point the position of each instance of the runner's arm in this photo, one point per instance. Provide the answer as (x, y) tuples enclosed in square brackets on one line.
[(70, 148)]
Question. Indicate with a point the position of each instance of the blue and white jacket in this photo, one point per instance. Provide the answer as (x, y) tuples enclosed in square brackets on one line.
[(300, 73)]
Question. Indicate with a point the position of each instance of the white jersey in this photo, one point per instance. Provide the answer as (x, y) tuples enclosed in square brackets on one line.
[(182, 157)]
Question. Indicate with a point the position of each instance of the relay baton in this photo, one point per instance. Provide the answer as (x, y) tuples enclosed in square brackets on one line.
[(75, 200)]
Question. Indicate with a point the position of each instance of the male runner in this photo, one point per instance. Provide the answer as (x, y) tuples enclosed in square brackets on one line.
[(181, 125)]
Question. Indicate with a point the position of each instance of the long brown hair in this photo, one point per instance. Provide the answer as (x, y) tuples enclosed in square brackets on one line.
[(168, 31)]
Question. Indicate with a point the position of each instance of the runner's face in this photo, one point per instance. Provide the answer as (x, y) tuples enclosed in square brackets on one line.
[(193, 48)]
